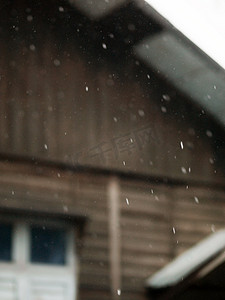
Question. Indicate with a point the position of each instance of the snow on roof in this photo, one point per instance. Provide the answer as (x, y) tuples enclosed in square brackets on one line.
[(206, 28), (178, 57), (187, 69), (188, 262), (188, 50)]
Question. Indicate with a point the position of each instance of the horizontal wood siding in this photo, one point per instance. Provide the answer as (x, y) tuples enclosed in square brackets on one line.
[(39, 189), (157, 221), (197, 213), (146, 236)]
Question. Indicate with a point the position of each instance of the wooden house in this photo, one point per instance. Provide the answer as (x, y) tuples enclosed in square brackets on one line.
[(111, 147)]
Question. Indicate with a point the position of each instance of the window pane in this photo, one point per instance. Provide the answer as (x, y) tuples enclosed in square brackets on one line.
[(5, 242), (48, 245)]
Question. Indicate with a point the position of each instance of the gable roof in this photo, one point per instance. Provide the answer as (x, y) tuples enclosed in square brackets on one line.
[(193, 264), (155, 42), (189, 261)]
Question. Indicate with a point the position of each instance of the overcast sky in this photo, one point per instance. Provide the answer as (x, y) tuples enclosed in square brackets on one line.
[(202, 21)]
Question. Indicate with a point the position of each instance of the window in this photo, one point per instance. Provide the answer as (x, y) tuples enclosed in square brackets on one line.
[(48, 245), (36, 261), (5, 242)]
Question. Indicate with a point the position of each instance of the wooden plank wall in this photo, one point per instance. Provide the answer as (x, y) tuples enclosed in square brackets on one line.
[(197, 213), (146, 236), (156, 221), (60, 104), (159, 222), (42, 189)]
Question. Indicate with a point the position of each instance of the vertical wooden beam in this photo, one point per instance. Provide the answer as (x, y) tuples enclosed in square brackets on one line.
[(114, 236)]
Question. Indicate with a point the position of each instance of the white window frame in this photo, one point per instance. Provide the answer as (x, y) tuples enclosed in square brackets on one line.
[(24, 271)]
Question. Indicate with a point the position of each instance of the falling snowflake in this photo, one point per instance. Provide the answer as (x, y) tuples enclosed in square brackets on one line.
[(196, 199), (29, 18), (65, 208), (211, 161), (166, 97), (141, 113), (32, 47), (163, 109), (183, 170), (209, 133), (56, 62)]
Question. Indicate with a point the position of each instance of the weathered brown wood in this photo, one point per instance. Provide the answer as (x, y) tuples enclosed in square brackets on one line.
[(48, 105), (145, 241), (65, 103)]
